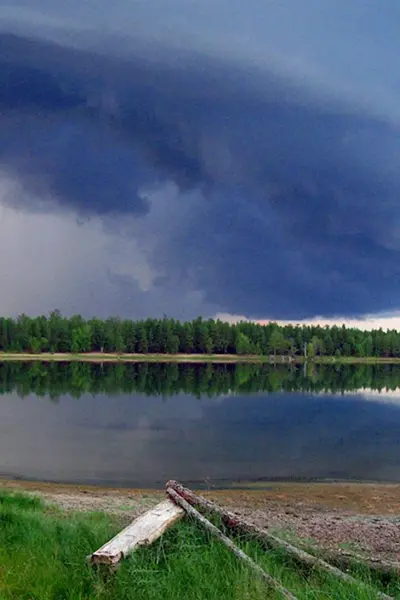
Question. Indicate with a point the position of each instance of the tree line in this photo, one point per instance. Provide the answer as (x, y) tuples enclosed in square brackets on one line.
[(55, 333), (75, 379)]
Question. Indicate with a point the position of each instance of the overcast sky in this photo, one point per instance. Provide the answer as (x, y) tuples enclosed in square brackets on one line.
[(201, 157)]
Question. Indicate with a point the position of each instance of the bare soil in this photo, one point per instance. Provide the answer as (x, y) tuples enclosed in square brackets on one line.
[(364, 518)]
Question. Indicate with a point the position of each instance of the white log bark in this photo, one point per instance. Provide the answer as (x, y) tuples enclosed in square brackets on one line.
[(143, 531)]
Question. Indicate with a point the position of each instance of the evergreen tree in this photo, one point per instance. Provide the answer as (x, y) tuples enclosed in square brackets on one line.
[(276, 342), (56, 333)]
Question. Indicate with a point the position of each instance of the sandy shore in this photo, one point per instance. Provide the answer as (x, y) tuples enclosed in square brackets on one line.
[(112, 357), (358, 516), (362, 498), (134, 358)]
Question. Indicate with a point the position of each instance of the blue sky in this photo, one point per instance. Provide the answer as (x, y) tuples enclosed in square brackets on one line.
[(201, 158)]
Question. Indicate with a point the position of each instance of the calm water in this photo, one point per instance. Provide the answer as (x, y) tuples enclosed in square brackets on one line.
[(139, 425)]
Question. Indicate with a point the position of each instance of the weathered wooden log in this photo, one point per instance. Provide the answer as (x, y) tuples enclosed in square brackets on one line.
[(267, 578), (234, 523), (142, 531), (347, 558), (386, 566)]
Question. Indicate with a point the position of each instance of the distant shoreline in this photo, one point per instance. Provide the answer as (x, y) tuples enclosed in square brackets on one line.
[(189, 358)]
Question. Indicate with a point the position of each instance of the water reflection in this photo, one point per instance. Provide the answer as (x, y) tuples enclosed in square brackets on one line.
[(140, 425), (155, 379)]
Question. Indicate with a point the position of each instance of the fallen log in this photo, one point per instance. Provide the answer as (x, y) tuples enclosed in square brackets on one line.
[(267, 578), (347, 558), (142, 531), (235, 524)]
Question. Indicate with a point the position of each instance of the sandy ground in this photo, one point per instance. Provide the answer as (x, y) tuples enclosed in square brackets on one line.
[(105, 357), (96, 357), (364, 518)]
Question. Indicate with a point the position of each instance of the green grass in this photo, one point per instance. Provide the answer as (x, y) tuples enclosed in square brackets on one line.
[(43, 550)]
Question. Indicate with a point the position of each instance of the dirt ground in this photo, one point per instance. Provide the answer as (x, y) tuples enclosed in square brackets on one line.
[(364, 518)]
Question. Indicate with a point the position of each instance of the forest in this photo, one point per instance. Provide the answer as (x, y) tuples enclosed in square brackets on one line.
[(54, 379), (56, 333)]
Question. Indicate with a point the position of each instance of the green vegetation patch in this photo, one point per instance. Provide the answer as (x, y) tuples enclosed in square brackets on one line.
[(42, 557)]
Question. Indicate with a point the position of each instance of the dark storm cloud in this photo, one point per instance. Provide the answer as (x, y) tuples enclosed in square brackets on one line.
[(297, 209)]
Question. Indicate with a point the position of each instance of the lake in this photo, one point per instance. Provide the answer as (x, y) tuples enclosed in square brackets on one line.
[(139, 425)]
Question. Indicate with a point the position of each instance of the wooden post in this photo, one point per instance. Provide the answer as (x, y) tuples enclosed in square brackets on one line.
[(270, 581), (142, 531), (238, 525)]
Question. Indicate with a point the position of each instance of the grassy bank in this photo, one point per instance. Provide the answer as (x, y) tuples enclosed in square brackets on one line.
[(189, 358), (43, 550)]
